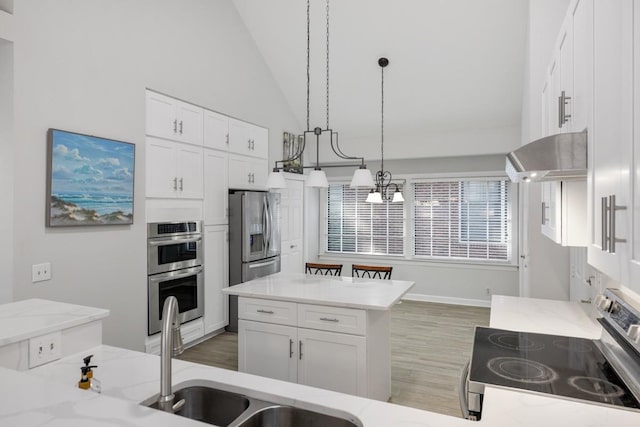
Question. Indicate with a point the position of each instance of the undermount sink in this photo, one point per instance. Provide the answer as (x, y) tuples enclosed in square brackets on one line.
[(209, 405), (288, 416), (206, 401)]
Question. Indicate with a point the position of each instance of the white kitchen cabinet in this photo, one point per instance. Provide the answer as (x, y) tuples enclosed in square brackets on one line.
[(633, 263), (216, 278), (335, 348), (173, 119), (564, 219), (216, 131), (247, 173), (292, 227), (216, 187), (268, 350), (611, 138), (332, 361), (248, 139), (173, 170)]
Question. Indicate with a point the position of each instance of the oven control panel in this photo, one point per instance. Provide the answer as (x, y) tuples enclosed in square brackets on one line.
[(622, 312)]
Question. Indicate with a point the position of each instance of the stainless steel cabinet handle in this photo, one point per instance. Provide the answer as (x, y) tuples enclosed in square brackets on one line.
[(563, 117), (175, 183), (249, 178), (265, 311), (248, 144), (175, 126), (253, 144), (544, 212), (300, 350), (290, 348), (227, 139), (180, 127), (328, 319), (603, 223), (181, 184), (612, 224)]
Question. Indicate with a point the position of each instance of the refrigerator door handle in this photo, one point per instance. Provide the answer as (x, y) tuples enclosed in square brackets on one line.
[(267, 221), (262, 264)]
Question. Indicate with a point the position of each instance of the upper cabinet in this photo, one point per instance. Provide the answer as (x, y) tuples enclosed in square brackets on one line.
[(173, 170), (248, 139), (634, 176), (611, 138), (216, 131), (172, 119)]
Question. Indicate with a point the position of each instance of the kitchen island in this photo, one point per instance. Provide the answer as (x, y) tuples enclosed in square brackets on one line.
[(326, 332)]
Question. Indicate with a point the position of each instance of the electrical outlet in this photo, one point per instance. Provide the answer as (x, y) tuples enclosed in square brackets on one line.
[(41, 272), (45, 349), (488, 291)]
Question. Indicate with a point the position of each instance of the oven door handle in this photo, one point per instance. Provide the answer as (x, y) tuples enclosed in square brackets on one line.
[(179, 274), (463, 391), (164, 242)]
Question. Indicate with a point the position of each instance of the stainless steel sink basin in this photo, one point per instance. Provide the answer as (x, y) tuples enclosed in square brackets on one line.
[(287, 416), (209, 405), (222, 405)]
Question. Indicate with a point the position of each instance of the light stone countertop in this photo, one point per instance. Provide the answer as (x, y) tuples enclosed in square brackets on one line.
[(30, 318), (368, 294)]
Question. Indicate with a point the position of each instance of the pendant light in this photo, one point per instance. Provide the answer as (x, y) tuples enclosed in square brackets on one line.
[(317, 178), (383, 177)]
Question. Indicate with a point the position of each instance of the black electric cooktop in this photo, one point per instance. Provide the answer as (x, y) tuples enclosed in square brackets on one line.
[(566, 367)]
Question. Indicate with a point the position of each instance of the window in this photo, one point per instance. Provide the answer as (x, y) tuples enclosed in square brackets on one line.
[(468, 220), (355, 226)]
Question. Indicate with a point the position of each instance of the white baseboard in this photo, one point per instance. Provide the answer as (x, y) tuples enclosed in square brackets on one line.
[(447, 300)]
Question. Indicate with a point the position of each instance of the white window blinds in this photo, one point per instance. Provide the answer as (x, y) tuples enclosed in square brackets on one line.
[(469, 220), (355, 226)]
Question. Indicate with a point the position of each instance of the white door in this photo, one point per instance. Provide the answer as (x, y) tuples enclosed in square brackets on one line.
[(292, 226), (189, 123), (161, 116), (216, 130), (268, 350), (216, 187), (190, 166), (551, 210), (161, 174), (239, 137), (216, 277), (259, 142), (332, 361)]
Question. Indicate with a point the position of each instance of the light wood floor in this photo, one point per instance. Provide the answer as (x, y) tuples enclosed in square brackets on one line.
[(430, 344)]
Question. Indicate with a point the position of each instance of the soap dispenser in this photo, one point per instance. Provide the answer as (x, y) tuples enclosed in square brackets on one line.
[(87, 361), (85, 382)]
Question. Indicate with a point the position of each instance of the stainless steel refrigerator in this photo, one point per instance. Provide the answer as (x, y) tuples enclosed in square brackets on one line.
[(254, 240)]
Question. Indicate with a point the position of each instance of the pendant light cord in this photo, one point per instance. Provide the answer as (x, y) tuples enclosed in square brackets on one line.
[(328, 65), (382, 122), (308, 56)]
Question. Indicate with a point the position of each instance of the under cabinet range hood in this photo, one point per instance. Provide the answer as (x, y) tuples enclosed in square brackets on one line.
[(557, 157)]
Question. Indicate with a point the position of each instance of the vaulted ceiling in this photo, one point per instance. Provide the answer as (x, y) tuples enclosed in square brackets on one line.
[(455, 65)]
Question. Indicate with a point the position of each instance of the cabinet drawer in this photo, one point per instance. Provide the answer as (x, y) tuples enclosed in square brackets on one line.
[(335, 319), (269, 311)]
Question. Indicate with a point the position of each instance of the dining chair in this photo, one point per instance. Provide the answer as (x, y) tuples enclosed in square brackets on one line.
[(323, 269), (371, 271)]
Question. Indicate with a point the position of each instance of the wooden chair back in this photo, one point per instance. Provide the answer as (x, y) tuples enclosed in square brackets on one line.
[(371, 271), (323, 269)]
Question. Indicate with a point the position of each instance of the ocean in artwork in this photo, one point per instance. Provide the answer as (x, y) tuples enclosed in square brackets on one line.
[(91, 180)]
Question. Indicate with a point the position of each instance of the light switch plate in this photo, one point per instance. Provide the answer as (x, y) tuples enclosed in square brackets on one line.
[(41, 272), (45, 349)]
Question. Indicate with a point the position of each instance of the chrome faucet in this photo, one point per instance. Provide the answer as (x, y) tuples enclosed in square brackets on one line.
[(170, 345)]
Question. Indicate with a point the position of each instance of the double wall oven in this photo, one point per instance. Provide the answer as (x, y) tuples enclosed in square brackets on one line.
[(174, 268), (605, 371)]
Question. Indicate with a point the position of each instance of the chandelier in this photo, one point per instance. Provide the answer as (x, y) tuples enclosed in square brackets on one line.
[(383, 177), (317, 178)]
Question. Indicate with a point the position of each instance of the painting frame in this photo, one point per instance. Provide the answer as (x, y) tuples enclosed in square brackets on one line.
[(291, 144), (90, 180)]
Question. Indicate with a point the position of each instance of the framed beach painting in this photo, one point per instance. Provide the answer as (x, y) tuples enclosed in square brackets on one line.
[(89, 180)]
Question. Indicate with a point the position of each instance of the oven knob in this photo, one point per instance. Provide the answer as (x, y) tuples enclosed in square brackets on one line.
[(634, 333), (602, 302)]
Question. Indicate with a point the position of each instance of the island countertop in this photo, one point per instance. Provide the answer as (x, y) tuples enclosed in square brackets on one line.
[(351, 292)]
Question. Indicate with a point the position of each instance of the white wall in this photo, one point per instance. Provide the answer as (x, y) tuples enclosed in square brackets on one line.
[(6, 171), (83, 65), (548, 272), (455, 283)]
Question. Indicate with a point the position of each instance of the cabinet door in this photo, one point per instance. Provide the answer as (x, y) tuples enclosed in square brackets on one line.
[(259, 142), (189, 123), (216, 187), (161, 116), (259, 174), (161, 175), (552, 210), (267, 350), (565, 78), (582, 97), (239, 172), (216, 130), (292, 228), (332, 361), (190, 166), (634, 256), (611, 138), (216, 277), (554, 92), (240, 137)]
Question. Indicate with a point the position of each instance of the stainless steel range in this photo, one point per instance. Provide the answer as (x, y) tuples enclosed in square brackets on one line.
[(603, 372)]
